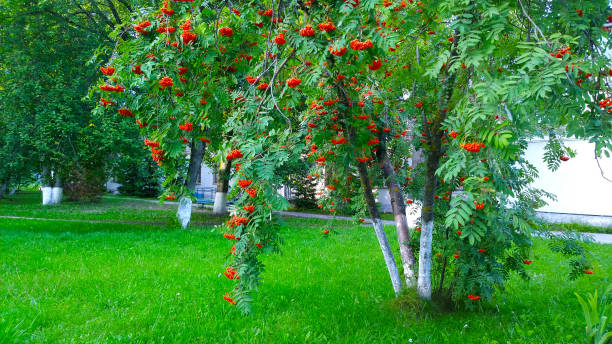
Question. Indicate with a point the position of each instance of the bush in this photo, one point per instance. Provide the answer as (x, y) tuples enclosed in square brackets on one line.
[(84, 185), (139, 178)]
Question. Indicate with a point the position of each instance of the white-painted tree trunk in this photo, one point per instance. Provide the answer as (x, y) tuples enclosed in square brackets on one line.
[(388, 255), (424, 280), (56, 195), (406, 254), (220, 205), (47, 195), (184, 211)]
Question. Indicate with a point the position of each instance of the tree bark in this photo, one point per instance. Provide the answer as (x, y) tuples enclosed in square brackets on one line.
[(47, 189), (434, 154), (379, 229), (195, 164), (220, 205), (57, 190), (183, 212), (399, 216), (427, 214)]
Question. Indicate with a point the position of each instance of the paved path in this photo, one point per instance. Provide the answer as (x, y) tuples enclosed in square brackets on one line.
[(600, 238), (126, 222)]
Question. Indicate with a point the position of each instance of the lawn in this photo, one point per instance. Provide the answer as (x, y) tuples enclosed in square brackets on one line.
[(128, 283), (109, 208)]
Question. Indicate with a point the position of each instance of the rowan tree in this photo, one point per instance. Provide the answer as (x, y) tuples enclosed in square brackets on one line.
[(372, 84)]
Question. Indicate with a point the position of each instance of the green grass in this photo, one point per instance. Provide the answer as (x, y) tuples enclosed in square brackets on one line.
[(116, 283), (109, 208)]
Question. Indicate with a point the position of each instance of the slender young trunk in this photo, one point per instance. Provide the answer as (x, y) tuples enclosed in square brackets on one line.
[(195, 164), (399, 216), (220, 206), (379, 229), (434, 153), (396, 280)]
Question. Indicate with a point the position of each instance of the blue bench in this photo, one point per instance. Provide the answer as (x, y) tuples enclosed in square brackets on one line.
[(206, 195)]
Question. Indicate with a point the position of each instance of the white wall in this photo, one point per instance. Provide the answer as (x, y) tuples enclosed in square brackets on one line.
[(578, 184), (206, 177)]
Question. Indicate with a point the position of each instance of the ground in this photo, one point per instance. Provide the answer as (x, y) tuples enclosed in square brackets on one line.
[(75, 281)]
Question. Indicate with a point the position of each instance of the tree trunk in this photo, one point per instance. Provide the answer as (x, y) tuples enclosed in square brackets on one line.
[(57, 190), (195, 164), (47, 189), (427, 215), (434, 153), (220, 205), (183, 212), (396, 280), (399, 216), (379, 229)]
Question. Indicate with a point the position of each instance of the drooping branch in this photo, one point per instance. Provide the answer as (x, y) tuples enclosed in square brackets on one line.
[(600, 168)]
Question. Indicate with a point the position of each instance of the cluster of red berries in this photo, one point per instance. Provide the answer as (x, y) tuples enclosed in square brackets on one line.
[(107, 70), (337, 52), (252, 192), (376, 64), (251, 79), (125, 112), (280, 39), (473, 147), (244, 183), (559, 54), (231, 273), (338, 141), (167, 11), (108, 102), (479, 206), (187, 35), (226, 32), (110, 88), (234, 154), (307, 31), (227, 298), (166, 82), (140, 27), (358, 45), (327, 27), (164, 29), (136, 69), (236, 221), (188, 126), (293, 82)]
